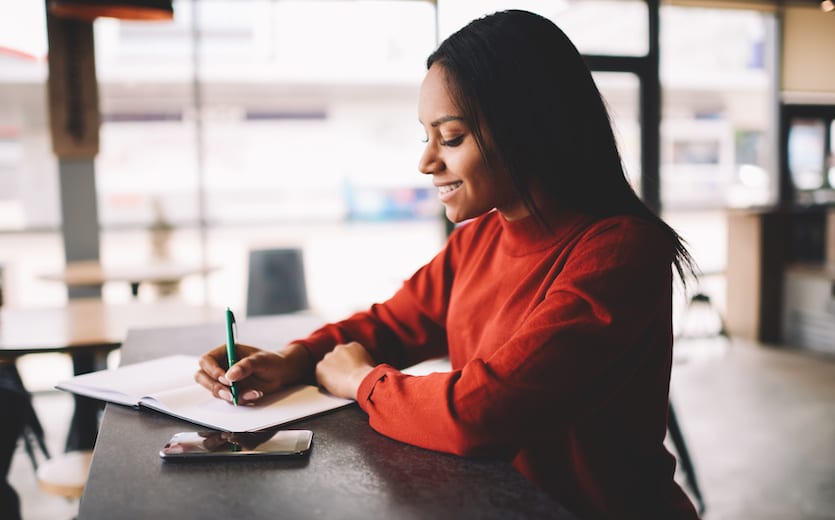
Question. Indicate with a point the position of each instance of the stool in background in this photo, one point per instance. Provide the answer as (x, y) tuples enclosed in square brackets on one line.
[(65, 475), (32, 433)]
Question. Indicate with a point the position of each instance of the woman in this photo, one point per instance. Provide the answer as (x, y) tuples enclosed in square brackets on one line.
[(553, 302)]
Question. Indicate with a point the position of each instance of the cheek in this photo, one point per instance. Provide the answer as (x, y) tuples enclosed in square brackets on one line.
[(474, 172), (483, 185)]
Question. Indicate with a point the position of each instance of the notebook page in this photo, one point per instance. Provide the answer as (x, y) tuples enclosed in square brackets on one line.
[(127, 384), (195, 404)]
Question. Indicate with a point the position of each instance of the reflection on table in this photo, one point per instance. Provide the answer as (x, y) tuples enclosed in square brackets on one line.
[(165, 274), (88, 329)]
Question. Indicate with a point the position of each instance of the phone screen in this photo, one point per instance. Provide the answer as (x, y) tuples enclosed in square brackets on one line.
[(210, 444)]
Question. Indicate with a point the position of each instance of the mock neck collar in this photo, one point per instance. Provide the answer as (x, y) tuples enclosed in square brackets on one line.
[(529, 235)]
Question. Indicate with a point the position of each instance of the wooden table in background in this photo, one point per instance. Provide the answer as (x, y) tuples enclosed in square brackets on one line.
[(87, 329), (93, 273)]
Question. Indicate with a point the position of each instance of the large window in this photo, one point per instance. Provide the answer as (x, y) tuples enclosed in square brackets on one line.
[(717, 133), (263, 123), (718, 137), (603, 27), (305, 112), (293, 122)]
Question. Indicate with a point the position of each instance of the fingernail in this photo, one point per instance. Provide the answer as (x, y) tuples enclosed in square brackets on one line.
[(251, 395), (224, 380), (225, 395)]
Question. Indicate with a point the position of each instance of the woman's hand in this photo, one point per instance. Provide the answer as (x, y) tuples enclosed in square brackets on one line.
[(342, 370), (257, 372)]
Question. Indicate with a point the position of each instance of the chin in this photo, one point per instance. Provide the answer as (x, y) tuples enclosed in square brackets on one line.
[(454, 216), (457, 217)]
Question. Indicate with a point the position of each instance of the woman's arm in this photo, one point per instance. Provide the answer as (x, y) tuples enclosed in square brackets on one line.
[(407, 328), (606, 316)]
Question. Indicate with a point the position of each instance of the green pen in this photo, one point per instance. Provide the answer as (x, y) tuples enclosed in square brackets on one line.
[(230, 349)]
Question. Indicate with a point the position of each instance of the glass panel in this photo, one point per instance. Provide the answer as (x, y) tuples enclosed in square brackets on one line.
[(345, 41), (274, 92), (287, 40), (806, 153), (621, 93), (717, 140), (28, 172), (147, 158), (296, 124), (608, 27), (717, 102), (294, 120)]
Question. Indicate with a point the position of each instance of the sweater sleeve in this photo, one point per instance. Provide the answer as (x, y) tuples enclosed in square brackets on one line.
[(605, 312), (407, 328)]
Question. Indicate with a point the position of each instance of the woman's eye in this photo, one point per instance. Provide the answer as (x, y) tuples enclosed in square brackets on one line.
[(455, 141)]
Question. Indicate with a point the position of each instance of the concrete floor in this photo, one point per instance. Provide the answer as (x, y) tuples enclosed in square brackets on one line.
[(760, 426), (759, 423)]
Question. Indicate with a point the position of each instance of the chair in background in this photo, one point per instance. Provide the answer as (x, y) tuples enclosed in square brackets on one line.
[(32, 432), (276, 282), (677, 437)]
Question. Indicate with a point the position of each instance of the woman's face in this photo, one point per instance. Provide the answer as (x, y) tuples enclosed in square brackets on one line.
[(466, 187)]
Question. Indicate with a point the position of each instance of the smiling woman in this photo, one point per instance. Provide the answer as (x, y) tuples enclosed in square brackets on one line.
[(553, 302), (468, 185)]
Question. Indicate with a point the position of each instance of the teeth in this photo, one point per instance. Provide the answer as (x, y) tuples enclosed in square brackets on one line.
[(449, 187)]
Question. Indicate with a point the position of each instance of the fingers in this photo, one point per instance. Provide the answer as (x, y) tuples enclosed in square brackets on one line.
[(217, 388), (222, 391), (250, 396), (242, 369), (256, 373), (209, 362), (212, 373)]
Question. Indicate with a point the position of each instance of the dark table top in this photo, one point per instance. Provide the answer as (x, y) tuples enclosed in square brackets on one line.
[(351, 472)]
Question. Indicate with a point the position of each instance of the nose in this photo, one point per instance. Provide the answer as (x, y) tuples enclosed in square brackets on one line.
[(430, 162)]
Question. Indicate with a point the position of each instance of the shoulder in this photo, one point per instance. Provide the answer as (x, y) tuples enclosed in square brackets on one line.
[(624, 241), (623, 228)]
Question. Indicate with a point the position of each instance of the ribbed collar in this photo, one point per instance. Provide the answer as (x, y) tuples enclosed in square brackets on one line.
[(529, 235)]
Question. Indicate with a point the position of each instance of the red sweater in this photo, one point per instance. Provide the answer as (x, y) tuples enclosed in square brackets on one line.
[(560, 343)]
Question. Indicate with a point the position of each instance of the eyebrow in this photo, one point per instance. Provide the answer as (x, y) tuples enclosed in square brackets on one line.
[(445, 119)]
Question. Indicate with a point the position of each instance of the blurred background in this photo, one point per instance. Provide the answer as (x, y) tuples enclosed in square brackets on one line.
[(245, 122), (258, 124)]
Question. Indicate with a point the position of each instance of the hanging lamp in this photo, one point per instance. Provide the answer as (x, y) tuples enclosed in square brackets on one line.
[(89, 10)]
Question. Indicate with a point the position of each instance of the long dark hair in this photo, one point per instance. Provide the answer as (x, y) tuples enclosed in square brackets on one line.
[(518, 75)]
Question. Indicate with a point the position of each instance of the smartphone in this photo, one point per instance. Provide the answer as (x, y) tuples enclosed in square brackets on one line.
[(213, 444)]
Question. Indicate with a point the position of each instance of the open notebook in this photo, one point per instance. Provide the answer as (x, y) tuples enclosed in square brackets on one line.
[(167, 385)]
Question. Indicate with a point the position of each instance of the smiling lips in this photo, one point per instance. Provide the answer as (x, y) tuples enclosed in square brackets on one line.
[(447, 189)]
